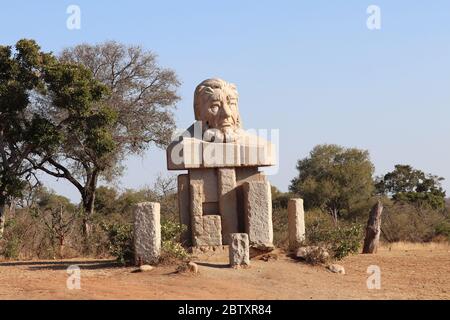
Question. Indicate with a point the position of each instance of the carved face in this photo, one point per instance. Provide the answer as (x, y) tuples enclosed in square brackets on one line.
[(216, 105)]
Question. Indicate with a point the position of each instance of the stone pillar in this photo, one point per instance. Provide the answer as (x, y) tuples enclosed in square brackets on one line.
[(147, 233), (184, 209), (197, 196), (228, 202), (296, 223), (239, 250), (258, 214), (206, 229)]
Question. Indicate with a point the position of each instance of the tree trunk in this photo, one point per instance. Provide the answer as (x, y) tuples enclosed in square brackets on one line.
[(88, 207), (2, 219), (88, 202), (61, 246), (334, 214), (373, 229)]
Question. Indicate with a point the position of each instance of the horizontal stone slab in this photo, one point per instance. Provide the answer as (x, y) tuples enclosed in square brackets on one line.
[(191, 153)]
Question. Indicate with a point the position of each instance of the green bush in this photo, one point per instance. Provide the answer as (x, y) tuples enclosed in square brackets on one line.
[(11, 242), (443, 229), (340, 241), (345, 240), (120, 240), (171, 246), (405, 222), (12, 249), (280, 228)]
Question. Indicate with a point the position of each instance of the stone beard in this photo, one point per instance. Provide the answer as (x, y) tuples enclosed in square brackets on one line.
[(216, 106)]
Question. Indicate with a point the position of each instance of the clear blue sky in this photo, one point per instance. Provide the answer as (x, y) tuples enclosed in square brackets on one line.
[(309, 68)]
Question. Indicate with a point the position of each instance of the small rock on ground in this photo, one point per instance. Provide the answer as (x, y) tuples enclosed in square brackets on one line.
[(145, 268), (193, 267), (336, 268)]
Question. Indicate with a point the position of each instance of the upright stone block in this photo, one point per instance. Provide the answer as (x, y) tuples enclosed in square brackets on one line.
[(184, 208), (228, 203), (239, 250), (196, 200), (296, 223), (258, 214), (211, 234), (147, 233), (209, 179)]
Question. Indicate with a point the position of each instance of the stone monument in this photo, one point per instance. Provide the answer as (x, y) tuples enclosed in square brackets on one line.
[(223, 191)]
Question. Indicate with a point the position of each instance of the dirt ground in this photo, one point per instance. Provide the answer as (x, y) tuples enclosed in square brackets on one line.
[(407, 272)]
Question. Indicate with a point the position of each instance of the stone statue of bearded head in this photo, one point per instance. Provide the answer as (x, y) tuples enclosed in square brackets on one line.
[(216, 105)]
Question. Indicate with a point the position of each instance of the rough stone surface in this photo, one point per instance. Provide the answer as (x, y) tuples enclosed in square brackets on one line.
[(228, 203), (258, 214), (211, 234), (147, 233), (336, 268), (196, 193), (319, 253), (210, 182), (193, 267), (239, 250), (296, 223), (145, 268), (184, 209)]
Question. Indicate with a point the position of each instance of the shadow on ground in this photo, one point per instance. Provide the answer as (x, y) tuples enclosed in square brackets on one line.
[(213, 265), (63, 265)]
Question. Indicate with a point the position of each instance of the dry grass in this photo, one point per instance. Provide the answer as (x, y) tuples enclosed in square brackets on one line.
[(416, 246)]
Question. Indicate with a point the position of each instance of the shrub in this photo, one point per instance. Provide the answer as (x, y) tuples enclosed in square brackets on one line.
[(120, 238), (339, 241), (171, 247), (280, 228), (345, 240), (404, 222), (443, 229)]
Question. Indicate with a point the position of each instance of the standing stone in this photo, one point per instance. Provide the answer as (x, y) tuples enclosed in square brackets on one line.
[(147, 233), (373, 229), (296, 222), (197, 198), (228, 203), (258, 214), (184, 209), (239, 250)]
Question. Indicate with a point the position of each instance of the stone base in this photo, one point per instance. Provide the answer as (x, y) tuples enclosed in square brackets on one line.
[(239, 250)]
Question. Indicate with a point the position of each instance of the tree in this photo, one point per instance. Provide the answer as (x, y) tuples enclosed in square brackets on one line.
[(58, 216), (136, 113), (105, 200), (335, 179), (406, 184), (23, 130), (82, 122)]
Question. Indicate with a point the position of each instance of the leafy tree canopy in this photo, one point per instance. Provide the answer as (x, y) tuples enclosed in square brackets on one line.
[(335, 179), (406, 184)]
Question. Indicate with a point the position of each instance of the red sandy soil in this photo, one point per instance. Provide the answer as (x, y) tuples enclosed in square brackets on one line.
[(407, 272)]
